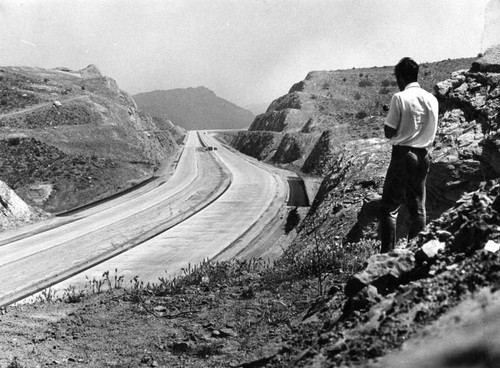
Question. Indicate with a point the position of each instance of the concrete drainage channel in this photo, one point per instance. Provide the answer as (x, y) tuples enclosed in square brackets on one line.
[(298, 194)]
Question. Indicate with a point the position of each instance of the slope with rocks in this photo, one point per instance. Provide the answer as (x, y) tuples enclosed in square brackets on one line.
[(69, 137), (465, 154), (335, 107), (14, 211), (400, 293), (194, 109)]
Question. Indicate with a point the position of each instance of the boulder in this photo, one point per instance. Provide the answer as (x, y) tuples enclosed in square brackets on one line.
[(384, 271), (13, 210), (443, 88), (429, 250)]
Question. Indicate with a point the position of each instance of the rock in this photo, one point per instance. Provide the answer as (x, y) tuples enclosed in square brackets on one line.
[(429, 251), (227, 332), (367, 297), (384, 271), (160, 308), (443, 88), (489, 62), (91, 71), (181, 347), (13, 209), (492, 246)]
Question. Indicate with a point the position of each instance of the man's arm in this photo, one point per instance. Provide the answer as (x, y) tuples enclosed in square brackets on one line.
[(389, 132), (393, 118)]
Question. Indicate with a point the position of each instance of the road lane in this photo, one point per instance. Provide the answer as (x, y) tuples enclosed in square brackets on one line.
[(252, 201), (33, 263)]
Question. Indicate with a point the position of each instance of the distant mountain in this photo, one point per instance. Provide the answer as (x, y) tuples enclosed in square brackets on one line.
[(258, 108), (194, 108)]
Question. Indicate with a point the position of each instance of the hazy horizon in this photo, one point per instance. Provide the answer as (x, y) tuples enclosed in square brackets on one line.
[(247, 51)]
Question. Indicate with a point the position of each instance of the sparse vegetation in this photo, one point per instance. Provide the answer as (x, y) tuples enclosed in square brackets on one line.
[(361, 114), (365, 83), (386, 83), (326, 260), (384, 91)]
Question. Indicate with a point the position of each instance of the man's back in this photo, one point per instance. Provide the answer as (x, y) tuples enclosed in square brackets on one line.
[(414, 114)]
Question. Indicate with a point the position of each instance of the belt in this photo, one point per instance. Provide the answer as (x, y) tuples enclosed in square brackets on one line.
[(399, 148)]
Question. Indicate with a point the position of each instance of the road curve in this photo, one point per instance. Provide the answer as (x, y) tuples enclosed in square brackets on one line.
[(34, 262), (138, 237), (252, 201)]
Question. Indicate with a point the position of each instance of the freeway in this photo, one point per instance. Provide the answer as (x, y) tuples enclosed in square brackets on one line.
[(214, 200)]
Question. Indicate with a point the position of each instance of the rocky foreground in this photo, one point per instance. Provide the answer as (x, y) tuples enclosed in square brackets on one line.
[(433, 303)]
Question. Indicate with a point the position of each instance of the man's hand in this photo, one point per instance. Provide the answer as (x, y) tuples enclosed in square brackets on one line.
[(389, 132)]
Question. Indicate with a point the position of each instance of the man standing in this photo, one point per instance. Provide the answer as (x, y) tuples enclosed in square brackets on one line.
[(411, 127)]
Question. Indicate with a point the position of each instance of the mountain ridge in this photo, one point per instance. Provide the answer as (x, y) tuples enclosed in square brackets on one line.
[(194, 108)]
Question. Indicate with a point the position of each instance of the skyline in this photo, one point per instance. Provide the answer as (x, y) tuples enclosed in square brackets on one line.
[(246, 51)]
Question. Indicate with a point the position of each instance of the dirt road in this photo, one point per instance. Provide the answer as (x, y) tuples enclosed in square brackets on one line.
[(39, 106), (244, 195)]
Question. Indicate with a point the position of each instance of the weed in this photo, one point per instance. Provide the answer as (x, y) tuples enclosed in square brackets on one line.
[(361, 114), (47, 296), (14, 363), (208, 349), (365, 83), (325, 260), (386, 83), (71, 295)]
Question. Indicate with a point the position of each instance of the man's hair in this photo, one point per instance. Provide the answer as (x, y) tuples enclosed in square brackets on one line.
[(407, 68)]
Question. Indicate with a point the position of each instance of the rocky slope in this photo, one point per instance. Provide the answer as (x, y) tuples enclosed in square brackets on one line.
[(313, 122), (194, 109), (69, 137), (14, 211), (464, 155)]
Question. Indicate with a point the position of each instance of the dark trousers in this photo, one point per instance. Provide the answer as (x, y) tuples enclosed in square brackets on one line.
[(404, 183)]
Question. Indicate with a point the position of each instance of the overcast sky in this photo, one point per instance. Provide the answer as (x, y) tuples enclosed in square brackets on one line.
[(246, 51)]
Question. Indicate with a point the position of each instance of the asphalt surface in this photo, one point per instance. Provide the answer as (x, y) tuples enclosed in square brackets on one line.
[(213, 200)]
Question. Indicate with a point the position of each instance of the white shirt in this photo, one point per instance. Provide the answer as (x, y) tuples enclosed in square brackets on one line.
[(414, 114)]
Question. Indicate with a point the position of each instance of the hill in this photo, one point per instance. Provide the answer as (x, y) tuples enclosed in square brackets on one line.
[(329, 106), (70, 137), (194, 109)]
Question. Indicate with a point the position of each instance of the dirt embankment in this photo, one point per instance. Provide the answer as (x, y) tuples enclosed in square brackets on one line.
[(75, 136)]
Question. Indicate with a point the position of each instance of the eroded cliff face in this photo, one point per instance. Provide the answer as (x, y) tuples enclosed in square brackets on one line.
[(14, 211)]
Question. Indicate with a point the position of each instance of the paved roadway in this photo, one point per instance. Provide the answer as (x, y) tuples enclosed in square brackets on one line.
[(138, 236)]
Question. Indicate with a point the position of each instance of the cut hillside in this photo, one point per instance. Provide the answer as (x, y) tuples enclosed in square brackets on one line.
[(330, 126), (194, 109), (14, 211), (70, 137), (327, 110)]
